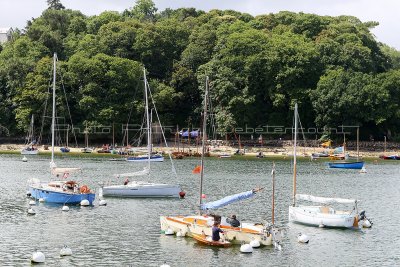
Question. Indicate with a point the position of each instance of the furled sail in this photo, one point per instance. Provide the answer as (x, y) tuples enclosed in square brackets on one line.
[(145, 171), (227, 200), (325, 200)]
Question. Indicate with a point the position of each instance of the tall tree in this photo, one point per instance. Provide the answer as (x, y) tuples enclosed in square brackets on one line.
[(144, 10), (55, 4)]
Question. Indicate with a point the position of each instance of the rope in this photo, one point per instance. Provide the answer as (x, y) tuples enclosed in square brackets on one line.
[(162, 132)]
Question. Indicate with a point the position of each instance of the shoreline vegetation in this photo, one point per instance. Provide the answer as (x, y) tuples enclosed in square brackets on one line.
[(284, 151), (258, 66)]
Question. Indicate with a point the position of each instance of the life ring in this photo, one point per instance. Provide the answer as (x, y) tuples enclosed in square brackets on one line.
[(84, 189)]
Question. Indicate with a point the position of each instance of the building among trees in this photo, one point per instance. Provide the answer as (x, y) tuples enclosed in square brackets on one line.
[(5, 34)]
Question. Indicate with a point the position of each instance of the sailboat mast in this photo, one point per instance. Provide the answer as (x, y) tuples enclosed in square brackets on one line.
[(53, 114), (294, 154), (113, 136), (358, 137), (29, 138), (147, 117), (344, 145), (384, 146), (203, 147), (273, 194)]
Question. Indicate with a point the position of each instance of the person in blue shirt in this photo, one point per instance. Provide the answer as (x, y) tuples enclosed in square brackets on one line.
[(215, 232)]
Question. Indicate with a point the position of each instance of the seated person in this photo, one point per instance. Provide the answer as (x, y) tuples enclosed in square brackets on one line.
[(233, 221), (215, 232)]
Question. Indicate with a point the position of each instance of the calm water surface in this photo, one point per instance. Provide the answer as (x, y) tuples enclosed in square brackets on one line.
[(126, 232)]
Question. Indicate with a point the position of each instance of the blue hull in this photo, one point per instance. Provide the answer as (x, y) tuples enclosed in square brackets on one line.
[(146, 158), (346, 165), (60, 197)]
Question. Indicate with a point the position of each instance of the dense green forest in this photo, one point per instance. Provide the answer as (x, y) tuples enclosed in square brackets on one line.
[(333, 67)]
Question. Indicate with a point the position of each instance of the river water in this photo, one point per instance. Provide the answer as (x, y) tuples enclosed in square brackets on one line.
[(126, 232)]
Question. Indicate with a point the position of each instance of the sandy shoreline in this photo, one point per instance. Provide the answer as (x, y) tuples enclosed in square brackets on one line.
[(213, 150)]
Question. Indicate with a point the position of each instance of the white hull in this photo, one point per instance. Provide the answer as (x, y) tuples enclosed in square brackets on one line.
[(142, 189), (322, 216), (29, 152), (86, 150), (236, 235)]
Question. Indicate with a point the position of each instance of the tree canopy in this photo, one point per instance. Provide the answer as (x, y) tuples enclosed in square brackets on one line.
[(333, 67)]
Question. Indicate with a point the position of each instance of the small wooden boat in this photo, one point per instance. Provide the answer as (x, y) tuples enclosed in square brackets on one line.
[(206, 240), (346, 165)]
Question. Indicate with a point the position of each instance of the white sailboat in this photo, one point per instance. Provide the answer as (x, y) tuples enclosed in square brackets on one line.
[(194, 225), (321, 215), (86, 149), (30, 148), (141, 188), (59, 191), (154, 157)]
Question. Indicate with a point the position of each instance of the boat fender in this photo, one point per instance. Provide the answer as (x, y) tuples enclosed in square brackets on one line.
[(84, 189)]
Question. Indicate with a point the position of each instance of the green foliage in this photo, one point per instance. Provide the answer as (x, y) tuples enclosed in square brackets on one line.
[(55, 4), (258, 67)]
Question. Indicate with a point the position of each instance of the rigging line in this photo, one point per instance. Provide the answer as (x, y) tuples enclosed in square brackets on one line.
[(162, 131), (309, 183), (45, 108), (130, 112), (69, 111)]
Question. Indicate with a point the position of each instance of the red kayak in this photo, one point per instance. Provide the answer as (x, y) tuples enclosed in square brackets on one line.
[(206, 240)]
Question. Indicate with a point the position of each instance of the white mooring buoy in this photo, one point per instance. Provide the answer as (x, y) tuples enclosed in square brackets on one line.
[(180, 233), (32, 202), (102, 202), (246, 248), (366, 223), (31, 211), (65, 208), (41, 200), (38, 257), (255, 243), (164, 265), (169, 231), (24, 159), (302, 238), (65, 251), (85, 202)]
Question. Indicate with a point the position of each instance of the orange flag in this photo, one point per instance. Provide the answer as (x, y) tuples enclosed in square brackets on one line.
[(197, 169)]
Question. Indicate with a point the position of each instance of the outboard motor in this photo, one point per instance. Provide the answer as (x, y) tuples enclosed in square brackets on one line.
[(362, 215)]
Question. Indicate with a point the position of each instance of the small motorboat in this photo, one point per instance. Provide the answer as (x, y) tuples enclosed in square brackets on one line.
[(206, 240), (391, 157)]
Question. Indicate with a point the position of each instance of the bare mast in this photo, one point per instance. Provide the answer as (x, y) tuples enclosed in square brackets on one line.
[(203, 147)]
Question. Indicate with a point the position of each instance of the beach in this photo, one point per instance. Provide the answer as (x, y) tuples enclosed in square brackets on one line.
[(283, 151)]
